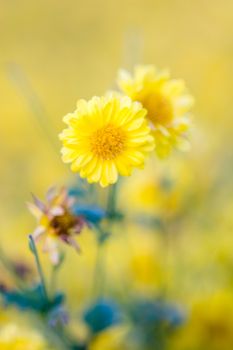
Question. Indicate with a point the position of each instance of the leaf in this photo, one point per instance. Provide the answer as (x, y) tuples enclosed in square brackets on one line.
[(31, 299)]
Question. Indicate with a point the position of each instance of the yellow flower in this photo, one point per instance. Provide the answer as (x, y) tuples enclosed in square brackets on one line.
[(166, 101), (13, 337), (106, 136), (112, 339), (210, 325)]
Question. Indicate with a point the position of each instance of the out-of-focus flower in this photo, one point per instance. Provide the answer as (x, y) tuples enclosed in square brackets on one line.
[(106, 136), (92, 213), (22, 269), (58, 317), (210, 325), (154, 320), (13, 337), (56, 222), (167, 194), (145, 269), (156, 313), (114, 338), (103, 314), (166, 101)]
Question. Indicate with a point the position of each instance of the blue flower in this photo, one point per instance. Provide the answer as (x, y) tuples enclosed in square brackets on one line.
[(101, 315), (156, 313), (92, 213)]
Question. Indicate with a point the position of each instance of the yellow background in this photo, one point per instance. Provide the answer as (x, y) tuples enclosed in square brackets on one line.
[(54, 52)]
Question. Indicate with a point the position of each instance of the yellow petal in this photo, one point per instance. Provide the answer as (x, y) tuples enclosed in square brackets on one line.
[(80, 162)]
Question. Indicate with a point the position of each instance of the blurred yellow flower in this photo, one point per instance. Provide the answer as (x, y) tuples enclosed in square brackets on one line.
[(210, 325), (163, 193), (106, 136), (12, 337), (166, 101), (111, 339), (144, 269)]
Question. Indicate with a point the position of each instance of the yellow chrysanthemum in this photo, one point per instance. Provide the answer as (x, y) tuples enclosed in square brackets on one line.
[(106, 136), (166, 101)]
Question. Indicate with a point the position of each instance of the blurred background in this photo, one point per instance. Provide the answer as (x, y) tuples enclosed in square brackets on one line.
[(54, 52)]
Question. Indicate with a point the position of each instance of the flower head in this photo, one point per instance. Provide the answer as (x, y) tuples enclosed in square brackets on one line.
[(56, 221), (106, 136), (210, 324), (166, 101), (14, 337), (114, 338)]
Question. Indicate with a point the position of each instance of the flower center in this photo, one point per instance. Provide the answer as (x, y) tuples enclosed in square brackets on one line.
[(159, 108), (108, 142), (63, 223)]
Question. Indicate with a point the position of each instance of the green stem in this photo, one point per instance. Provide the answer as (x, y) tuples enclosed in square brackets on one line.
[(38, 265), (99, 270), (99, 273), (53, 281), (54, 273), (112, 201)]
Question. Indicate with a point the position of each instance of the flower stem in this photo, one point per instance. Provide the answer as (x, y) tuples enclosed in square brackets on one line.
[(112, 201), (54, 274), (38, 265), (99, 270), (53, 281), (102, 236)]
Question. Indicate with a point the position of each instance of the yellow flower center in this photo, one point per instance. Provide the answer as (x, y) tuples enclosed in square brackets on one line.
[(159, 108), (108, 142)]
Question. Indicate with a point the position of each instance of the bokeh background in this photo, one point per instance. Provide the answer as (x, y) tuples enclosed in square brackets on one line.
[(54, 52)]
